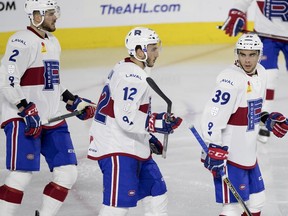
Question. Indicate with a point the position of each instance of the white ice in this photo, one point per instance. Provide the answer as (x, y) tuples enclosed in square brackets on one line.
[(187, 75)]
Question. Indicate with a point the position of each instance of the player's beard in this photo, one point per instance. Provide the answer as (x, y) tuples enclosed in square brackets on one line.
[(47, 27), (149, 62)]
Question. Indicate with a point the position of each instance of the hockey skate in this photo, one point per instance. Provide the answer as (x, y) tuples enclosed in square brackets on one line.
[(37, 213), (263, 135)]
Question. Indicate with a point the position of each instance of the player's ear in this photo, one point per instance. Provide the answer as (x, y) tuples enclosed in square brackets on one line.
[(139, 53)]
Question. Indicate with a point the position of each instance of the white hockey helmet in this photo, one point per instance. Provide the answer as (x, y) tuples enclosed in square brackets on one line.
[(249, 42), (140, 36), (42, 6)]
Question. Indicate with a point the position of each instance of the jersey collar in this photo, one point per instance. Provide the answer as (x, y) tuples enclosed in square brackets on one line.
[(31, 29)]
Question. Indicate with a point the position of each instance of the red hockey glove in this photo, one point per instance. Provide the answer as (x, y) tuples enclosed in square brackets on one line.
[(161, 123), (156, 146), (215, 160), (235, 22), (32, 120), (277, 123), (86, 105)]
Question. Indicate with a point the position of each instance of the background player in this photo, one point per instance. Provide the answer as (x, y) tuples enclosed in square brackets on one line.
[(230, 125), (30, 83), (271, 17), (120, 132)]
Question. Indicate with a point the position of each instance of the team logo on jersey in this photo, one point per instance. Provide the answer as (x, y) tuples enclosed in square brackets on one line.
[(274, 9), (51, 74), (43, 48), (249, 88), (254, 113)]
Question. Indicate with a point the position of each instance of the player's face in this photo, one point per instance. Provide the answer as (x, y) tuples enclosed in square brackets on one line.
[(152, 54), (49, 21), (248, 60)]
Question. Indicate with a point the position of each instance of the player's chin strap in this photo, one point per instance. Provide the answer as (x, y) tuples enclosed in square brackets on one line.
[(143, 60), (37, 25)]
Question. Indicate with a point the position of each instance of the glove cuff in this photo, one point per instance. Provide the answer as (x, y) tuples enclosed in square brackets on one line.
[(67, 95), (30, 109), (237, 12), (23, 103), (151, 122)]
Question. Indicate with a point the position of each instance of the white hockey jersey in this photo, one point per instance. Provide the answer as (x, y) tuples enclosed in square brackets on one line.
[(232, 116), (119, 122), (30, 69), (271, 16)]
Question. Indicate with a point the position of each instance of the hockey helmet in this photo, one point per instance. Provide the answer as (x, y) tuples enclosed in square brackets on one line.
[(42, 6), (249, 42), (140, 36)]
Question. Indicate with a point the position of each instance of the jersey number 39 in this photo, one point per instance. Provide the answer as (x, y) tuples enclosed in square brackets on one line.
[(221, 97)]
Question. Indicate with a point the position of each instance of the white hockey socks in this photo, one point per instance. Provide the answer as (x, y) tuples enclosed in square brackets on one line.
[(11, 193), (156, 205), (56, 191), (256, 202), (51, 206), (255, 205), (113, 211), (232, 209)]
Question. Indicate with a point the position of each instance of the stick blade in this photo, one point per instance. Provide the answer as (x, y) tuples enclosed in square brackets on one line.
[(155, 87)]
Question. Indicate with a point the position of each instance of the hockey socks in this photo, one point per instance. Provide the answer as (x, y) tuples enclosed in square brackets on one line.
[(54, 196), (10, 199)]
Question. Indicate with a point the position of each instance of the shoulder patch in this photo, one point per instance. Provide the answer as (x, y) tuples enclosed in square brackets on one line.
[(214, 111)]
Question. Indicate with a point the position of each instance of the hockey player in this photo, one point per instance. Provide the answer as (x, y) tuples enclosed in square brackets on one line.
[(230, 125), (271, 17), (30, 83), (120, 132)]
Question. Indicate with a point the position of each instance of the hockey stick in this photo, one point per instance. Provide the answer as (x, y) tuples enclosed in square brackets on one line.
[(223, 175), (61, 117), (277, 37), (155, 87)]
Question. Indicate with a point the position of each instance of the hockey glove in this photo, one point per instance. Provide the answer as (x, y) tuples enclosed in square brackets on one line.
[(32, 120), (162, 123), (156, 146), (235, 22), (86, 105), (215, 160), (277, 123)]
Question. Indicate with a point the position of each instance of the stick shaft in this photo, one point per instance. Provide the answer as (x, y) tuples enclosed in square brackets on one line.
[(61, 117)]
